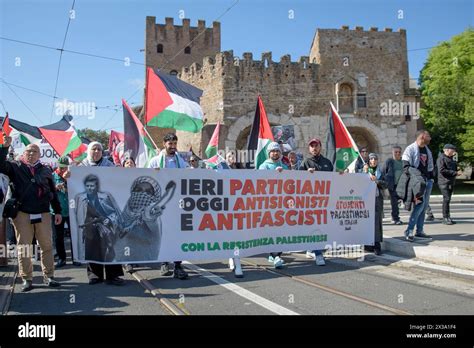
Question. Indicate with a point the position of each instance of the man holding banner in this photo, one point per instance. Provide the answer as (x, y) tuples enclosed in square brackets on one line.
[(169, 158), (316, 162)]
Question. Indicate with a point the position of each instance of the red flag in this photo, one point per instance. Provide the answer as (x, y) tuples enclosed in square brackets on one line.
[(114, 140), (6, 125), (5, 128)]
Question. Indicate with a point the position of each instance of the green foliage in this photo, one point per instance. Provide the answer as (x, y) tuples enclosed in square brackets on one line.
[(93, 135), (447, 86)]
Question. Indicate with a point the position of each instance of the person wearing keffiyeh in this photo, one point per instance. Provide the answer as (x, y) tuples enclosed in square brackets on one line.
[(169, 158), (376, 175)]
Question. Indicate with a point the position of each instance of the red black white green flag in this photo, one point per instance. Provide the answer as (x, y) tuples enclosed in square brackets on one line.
[(136, 140), (172, 103), (342, 151), (260, 136), (62, 136)]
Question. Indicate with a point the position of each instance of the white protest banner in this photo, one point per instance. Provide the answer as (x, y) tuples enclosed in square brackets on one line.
[(133, 215), (47, 154)]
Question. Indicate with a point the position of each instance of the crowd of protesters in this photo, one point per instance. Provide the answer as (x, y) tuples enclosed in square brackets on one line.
[(43, 209)]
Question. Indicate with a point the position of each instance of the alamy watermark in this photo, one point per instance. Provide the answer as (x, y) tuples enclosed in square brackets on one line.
[(76, 109), (396, 108)]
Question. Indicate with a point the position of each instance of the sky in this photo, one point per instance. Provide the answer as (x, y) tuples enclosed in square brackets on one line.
[(116, 29)]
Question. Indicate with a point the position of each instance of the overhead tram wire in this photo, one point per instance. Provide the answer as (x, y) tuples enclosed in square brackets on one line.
[(21, 100), (92, 55), (60, 59), (3, 105)]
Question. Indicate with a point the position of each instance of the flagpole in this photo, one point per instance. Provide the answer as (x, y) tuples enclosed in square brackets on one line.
[(149, 136)]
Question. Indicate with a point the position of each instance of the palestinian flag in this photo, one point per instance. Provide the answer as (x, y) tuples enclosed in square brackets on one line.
[(22, 133), (62, 136), (260, 136), (211, 149), (342, 151), (172, 103), (135, 139)]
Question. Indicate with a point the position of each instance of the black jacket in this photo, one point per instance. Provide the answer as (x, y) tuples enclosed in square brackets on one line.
[(447, 170), (411, 185), (388, 171), (40, 188), (319, 163), (359, 166)]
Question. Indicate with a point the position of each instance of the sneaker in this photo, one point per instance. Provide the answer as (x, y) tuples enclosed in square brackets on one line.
[(377, 249), (430, 218), (51, 282), (452, 222), (320, 260), (179, 272), (60, 263), (27, 285), (129, 268), (310, 254), (422, 235), (278, 262), (447, 222), (165, 270), (397, 222), (75, 263), (409, 236), (238, 268), (115, 281)]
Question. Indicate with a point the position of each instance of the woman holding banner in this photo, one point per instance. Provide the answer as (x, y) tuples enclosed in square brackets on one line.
[(372, 168), (95, 271)]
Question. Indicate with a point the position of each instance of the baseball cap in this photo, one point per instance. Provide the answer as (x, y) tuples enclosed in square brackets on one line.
[(449, 147), (315, 140)]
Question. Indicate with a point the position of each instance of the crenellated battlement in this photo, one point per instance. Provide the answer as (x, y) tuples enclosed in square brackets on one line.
[(242, 68), (371, 29), (170, 46)]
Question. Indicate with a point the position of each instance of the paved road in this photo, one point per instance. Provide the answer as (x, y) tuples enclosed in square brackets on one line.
[(385, 285)]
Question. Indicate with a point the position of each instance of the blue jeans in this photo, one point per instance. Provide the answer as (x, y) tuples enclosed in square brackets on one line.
[(417, 217)]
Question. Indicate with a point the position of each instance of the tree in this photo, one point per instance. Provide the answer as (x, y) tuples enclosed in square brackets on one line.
[(93, 135), (447, 87)]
